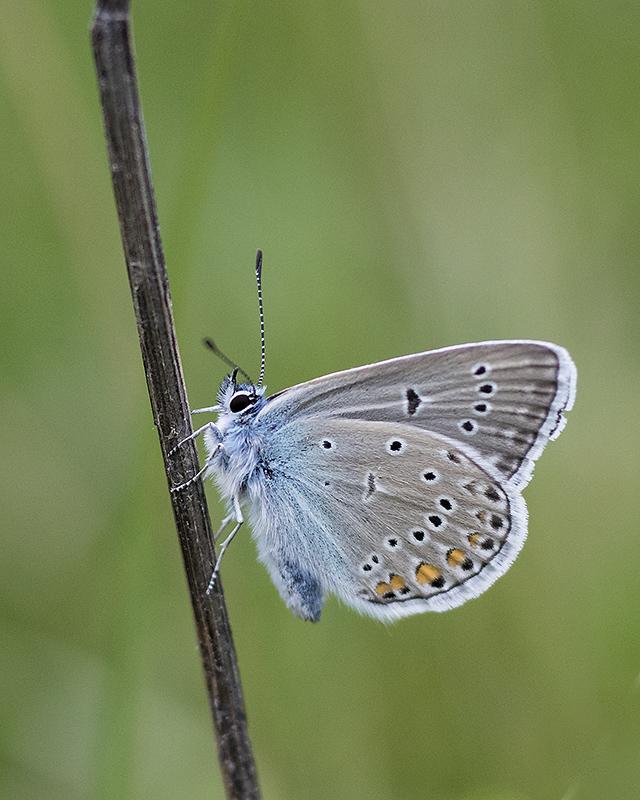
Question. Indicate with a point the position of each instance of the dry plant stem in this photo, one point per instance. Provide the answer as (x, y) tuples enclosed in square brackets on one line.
[(128, 160)]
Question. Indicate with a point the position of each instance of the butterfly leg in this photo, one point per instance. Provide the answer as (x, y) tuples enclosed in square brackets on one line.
[(237, 515), (224, 524), (209, 426), (207, 464)]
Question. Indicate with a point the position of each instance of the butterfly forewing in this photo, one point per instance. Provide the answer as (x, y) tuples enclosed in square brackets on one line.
[(503, 400)]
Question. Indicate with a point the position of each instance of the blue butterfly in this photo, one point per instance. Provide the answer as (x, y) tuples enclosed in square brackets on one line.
[(395, 486)]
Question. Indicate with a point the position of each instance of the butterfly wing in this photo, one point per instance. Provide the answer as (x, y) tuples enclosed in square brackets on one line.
[(391, 518), (502, 400), (397, 485)]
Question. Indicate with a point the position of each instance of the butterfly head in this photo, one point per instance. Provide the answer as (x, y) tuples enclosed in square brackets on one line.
[(240, 400)]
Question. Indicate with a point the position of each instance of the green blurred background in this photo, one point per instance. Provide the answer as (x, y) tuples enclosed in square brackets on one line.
[(418, 174)]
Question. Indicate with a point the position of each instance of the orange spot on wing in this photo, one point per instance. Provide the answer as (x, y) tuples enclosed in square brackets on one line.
[(455, 557), (426, 573), (384, 588), (397, 582)]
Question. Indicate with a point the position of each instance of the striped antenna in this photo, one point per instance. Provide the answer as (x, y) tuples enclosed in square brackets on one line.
[(259, 280)]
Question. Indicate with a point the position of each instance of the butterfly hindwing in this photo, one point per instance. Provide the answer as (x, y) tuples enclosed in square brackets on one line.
[(416, 524)]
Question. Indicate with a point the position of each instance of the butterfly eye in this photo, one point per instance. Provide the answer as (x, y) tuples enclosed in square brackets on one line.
[(240, 401)]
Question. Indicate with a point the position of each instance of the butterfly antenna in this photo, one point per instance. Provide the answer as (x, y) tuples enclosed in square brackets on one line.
[(215, 349), (259, 280)]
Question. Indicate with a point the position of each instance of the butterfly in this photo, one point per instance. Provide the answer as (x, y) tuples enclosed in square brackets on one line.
[(396, 486)]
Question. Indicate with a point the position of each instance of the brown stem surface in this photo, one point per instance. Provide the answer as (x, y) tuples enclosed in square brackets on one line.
[(129, 163)]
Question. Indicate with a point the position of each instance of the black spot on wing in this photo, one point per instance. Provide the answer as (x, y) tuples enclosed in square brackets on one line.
[(413, 401), (371, 484)]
